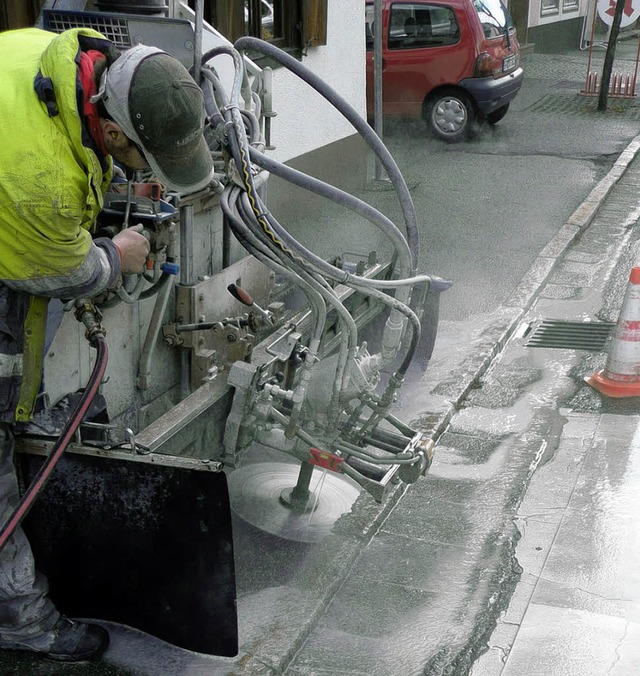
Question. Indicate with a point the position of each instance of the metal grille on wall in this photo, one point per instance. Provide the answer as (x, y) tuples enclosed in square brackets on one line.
[(114, 28), (174, 36)]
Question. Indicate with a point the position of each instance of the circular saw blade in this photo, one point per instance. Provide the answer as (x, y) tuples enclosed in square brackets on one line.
[(255, 491)]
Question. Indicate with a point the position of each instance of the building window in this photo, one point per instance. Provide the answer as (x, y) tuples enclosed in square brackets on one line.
[(549, 7), (289, 24), (570, 5)]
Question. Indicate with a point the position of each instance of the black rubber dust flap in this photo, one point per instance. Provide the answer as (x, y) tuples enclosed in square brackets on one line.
[(141, 544)]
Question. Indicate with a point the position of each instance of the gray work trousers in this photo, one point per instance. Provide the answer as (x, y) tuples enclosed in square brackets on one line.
[(26, 611)]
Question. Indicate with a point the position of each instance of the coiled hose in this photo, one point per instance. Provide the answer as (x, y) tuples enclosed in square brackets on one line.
[(259, 231), (361, 126)]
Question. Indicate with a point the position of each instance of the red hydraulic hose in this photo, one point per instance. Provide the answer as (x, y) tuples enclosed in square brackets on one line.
[(63, 441)]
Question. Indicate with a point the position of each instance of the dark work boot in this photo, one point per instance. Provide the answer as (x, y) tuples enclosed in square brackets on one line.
[(68, 641), (77, 641)]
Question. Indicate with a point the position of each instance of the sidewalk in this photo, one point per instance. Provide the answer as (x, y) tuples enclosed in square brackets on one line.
[(557, 575), (575, 609), (424, 584)]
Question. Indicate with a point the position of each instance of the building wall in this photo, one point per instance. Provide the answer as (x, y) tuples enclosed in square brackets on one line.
[(556, 37), (305, 121), (309, 134), (18, 13), (316, 222), (556, 30)]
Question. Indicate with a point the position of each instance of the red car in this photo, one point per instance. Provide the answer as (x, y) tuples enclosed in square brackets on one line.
[(448, 61)]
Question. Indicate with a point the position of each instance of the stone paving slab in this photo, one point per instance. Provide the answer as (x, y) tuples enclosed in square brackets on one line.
[(574, 642)]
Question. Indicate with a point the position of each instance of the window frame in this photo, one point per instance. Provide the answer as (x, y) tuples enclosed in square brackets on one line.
[(569, 6), (410, 10), (300, 24), (549, 8)]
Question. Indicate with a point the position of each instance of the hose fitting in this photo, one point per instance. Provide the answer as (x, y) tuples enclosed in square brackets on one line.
[(392, 335), (89, 315)]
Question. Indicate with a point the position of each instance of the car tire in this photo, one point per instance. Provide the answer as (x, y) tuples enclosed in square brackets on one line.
[(497, 115), (450, 115)]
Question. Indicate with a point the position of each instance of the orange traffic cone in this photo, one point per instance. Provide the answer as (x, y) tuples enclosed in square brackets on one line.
[(621, 374)]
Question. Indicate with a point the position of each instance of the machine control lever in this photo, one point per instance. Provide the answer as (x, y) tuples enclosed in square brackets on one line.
[(242, 296)]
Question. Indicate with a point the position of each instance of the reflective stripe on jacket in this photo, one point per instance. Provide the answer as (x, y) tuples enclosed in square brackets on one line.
[(52, 184)]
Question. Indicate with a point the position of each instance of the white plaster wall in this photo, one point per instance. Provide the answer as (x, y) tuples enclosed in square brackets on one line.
[(306, 121)]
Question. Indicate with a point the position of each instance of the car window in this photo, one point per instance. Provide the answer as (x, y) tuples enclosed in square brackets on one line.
[(494, 17), (413, 26)]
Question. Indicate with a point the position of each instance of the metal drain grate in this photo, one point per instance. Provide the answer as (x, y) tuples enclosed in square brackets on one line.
[(556, 333)]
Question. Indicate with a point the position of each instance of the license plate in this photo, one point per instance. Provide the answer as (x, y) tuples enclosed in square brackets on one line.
[(509, 63)]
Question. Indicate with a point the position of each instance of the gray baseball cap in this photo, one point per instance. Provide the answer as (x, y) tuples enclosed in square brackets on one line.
[(158, 105)]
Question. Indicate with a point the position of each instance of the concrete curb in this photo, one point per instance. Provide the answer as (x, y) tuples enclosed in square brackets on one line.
[(581, 218), (324, 573)]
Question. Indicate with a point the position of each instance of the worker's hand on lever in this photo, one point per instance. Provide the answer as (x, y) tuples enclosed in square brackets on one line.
[(134, 249)]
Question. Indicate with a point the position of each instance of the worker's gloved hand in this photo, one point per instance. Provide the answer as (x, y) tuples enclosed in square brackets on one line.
[(134, 250)]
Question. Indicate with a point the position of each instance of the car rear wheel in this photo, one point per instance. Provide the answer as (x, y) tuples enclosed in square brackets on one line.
[(450, 115), (497, 115)]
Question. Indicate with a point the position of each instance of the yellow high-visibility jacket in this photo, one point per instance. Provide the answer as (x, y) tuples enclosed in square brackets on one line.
[(52, 184)]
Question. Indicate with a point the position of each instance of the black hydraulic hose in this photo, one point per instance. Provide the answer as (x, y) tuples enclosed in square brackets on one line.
[(236, 87), (247, 238), (213, 112), (214, 86), (310, 286), (165, 278), (413, 344), (318, 292), (352, 281), (358, 122), (68, 431), (210, 86), (238, 146)]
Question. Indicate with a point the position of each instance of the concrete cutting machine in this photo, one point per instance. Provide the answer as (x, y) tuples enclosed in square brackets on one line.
[(237, 346)]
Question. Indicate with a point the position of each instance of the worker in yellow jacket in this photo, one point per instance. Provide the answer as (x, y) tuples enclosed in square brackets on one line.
[(71, 104)]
